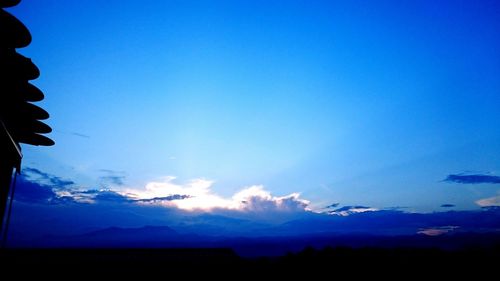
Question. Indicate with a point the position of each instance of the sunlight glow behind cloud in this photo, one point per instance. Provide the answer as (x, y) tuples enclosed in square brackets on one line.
[(201, 197)]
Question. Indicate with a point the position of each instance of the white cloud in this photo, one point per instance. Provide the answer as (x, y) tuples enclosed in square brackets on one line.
[(489, 202), (77, 196), (201, 197), (349, 210), (255, 198)]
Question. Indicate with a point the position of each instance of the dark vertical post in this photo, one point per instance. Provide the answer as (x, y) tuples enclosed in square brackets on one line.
[(10, 158), (5, 180)]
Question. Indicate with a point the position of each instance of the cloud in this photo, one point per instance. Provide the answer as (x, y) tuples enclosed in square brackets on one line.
[(334, 205), (90, 191), (194, 207), (489, 202), (90, 196), (436, 231), (256, 199), (194, 195), (35, 175), (198, 195), (161, 199), (197, 192), (116, 178), (80, 135), (349, 210), (73, 134), (110, 196), (447, 206), (473, 179), (33, 192), (35, 186)]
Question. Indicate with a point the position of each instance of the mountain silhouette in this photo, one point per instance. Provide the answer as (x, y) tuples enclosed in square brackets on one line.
[(140, 233), (112, 237)]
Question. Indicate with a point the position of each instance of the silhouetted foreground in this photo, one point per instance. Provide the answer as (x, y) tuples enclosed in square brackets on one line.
[(398, 262)]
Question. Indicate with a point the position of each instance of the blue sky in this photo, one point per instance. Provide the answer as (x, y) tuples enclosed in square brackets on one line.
[(372, 104)]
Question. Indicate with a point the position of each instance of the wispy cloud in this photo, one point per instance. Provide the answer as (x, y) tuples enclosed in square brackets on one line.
[(331, 206), (436, 231), (73, 134), (489, 202), (162, 199), (115, 180), (80, 135), (91, 196), (34, 192), (111, 177), (349, 210), (45, 178), (472, 178)]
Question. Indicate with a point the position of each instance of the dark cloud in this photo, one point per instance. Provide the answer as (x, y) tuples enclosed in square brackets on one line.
[(166, 198), (116, 180), (102, 196), (90, 191), (491, 208), (334, 205), (447, 206), (473, 179), (110, 196), (34, 192), (58, 182), (35, 186), (34, 171), (113, 177), (45, 178), (347, 210)]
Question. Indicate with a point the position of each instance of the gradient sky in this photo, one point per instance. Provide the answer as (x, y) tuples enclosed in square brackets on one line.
[(373, 103)]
